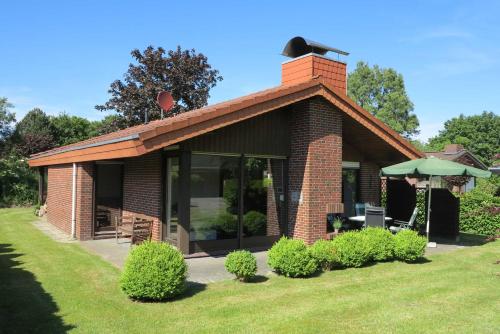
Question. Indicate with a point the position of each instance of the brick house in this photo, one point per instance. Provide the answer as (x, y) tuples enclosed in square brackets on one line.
[(457, 153), (237, 174)]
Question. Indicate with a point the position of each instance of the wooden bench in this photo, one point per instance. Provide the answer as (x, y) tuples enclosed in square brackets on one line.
[(138, 228)]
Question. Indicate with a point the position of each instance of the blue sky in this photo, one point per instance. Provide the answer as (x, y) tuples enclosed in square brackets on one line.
[(62, 55)]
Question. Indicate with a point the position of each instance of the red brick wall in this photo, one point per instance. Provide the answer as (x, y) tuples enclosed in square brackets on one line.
[(84, 200), (59, 196), (142, 189), (315, 167), (369, 175), (59, 192)]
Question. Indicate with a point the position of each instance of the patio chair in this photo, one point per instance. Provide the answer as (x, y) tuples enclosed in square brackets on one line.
[(137, 228), (374, 217), (359, 209), (124, 226), (141, 230), (402, 225)]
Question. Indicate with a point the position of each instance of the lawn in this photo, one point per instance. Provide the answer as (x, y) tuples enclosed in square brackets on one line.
[(50, 287)]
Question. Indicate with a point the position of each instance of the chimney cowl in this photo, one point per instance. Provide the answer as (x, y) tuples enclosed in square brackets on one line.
[(299, 46)]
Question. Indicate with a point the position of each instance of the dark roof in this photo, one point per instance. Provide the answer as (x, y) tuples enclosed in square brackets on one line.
[(454, 156)]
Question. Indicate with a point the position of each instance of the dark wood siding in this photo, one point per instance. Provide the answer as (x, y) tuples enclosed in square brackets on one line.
[(267, 135)]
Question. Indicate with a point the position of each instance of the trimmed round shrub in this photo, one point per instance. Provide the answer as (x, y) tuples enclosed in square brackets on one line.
[(381, 243), (324, 253), (153, 271), (352, 249), (291, 258), (409, 246), (241, 263)]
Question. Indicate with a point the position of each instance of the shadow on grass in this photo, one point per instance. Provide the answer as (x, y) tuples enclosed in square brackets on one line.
[(25, 307), (258, 279), (466, 239)]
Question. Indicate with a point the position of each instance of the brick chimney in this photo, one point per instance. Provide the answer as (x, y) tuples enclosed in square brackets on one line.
[(309, 61)]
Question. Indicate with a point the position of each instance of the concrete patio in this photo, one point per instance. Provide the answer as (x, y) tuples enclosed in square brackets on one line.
[(200, 270)]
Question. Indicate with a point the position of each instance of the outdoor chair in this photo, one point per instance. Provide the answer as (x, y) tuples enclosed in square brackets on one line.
[(359, 209), (137, 228), (374, 217), (402, 225)]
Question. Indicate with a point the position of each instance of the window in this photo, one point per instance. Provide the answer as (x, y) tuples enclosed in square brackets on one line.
[(350, 190)]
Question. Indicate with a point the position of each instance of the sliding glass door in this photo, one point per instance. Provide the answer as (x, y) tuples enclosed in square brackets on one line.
[(214, 203), (263, 201), (172, 199), (236, 202)]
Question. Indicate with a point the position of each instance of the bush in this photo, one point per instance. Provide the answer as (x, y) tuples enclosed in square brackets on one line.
[(479, 211), (352, 249), (154, 271), (409, 246), (324, 253), (291, 258), (381, 243), (241, 263)]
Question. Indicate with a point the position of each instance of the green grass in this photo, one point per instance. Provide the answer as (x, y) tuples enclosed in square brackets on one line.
[(50, 287)]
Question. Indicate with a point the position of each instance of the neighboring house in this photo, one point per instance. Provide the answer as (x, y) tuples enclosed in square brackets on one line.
[(237, 174), (495, 167), (457, 153)]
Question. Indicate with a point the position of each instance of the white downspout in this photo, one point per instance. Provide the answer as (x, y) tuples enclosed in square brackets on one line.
[(73, 204)]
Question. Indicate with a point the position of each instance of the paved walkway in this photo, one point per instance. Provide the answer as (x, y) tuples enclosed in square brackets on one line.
[(200, 270)]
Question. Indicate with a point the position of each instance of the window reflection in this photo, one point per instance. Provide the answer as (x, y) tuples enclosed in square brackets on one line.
[(262, 196), (214, 197)]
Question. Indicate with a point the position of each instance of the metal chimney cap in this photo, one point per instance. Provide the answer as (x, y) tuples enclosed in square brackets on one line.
[(299, 46)]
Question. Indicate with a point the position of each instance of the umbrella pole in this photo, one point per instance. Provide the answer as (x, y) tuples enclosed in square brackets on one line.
[(429, 244)]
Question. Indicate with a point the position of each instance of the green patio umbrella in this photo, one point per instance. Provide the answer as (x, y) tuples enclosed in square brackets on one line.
[(429, 167)]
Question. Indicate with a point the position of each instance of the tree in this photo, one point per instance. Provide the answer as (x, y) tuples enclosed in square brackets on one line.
[(478, 133), (6, 120), (34, 133), (184, 73), (111, 123), (71, 129), (381, 91)]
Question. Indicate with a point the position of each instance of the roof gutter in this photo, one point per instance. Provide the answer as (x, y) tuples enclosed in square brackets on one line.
[(81, 147)]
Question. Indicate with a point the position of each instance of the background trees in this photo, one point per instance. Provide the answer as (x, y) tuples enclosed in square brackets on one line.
[(480, 134), (7, 118), (381, 91), (187, 75)]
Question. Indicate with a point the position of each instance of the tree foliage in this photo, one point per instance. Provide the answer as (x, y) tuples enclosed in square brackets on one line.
[(478, 133), (187, 75), (71, 129), (381, 91), (34, 133), (7, 118)]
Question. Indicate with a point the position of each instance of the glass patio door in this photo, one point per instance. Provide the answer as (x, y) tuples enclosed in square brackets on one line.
[(215, 202), (170, 227), (263, 201)]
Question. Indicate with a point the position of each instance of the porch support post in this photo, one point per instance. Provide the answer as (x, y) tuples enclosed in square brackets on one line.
[(184, 201), (41, 182)]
